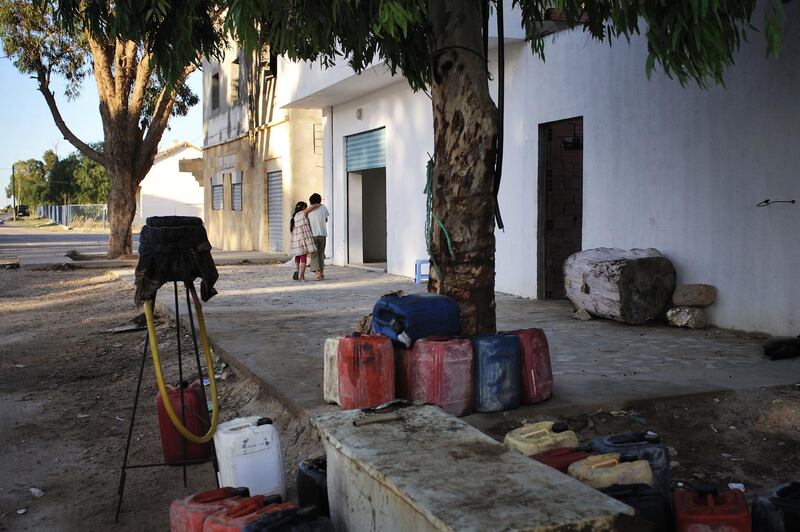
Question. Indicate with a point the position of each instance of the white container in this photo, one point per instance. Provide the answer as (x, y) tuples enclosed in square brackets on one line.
[(249, 456), (330, 374)]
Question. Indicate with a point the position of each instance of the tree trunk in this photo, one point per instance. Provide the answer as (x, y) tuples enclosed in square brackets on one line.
[(465, 136), (121, 210)]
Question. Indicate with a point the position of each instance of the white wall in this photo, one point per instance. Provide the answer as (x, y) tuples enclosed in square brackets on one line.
[(166, 191), (679, 169)]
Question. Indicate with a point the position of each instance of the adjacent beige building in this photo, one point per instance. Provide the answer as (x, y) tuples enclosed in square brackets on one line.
[(257, 160)]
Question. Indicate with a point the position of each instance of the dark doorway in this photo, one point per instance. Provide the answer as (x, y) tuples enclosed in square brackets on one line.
[(560, 201)]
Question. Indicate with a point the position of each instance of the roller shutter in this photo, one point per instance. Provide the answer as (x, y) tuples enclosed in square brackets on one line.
[(275, 210), (366, 150)]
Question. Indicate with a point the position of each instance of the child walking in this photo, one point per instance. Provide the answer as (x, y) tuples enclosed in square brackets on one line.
[(302, 240)]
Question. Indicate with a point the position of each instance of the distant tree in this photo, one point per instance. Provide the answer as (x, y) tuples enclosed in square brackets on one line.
[(29, 182), (440, 45), (135, 103), (91, 182)]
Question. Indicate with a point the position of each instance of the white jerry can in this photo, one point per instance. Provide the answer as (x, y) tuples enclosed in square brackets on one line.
[(249, 456), (330, 374)]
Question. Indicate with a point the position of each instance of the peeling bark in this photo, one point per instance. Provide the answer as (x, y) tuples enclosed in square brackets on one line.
[(465, 139)]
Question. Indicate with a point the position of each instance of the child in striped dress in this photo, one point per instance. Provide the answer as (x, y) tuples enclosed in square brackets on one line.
[(302, 240)]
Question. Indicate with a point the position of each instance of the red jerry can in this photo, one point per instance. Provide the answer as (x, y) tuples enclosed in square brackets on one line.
[(195, 420), (537, 374), (189, 513), (442, 372), (403, 375), (560, 458), (366, 371), (236, 517), (711, 510)]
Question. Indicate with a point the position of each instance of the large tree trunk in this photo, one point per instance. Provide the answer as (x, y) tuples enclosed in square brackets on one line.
[(465, 135), (121, 210)]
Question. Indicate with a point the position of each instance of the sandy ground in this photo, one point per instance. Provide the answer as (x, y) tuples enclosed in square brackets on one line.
[(66, 391), (66, 388)]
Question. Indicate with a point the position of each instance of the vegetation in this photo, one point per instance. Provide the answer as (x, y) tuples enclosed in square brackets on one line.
[(135, 102), (439, 46)]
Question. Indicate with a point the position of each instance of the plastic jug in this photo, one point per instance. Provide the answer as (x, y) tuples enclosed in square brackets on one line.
[(537, 374), (366, 371), (604, 470), (779, 511), (194, 417), (561, 458), (639, 446), (650, 504), (498, 366), (312, 484), (442, 370), (330, 373), (189, 513), (249, 454), (297, 520), (539, 437), (406, 319), (235, 518), (711, 510), (403, 377)]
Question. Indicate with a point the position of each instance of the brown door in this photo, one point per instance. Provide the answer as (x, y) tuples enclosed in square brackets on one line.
[(560, 201)]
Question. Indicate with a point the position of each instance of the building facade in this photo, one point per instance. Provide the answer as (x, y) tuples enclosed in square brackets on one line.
[(165, 190), (257, 160), (596, 155)]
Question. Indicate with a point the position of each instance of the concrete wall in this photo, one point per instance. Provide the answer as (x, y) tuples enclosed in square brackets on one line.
[(166, 191), (679, 169)]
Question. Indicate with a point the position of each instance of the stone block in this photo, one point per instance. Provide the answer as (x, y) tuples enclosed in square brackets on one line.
[(694, 295), (690, 317)]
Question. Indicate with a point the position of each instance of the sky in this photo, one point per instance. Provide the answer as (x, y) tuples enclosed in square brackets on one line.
[(28, 128)]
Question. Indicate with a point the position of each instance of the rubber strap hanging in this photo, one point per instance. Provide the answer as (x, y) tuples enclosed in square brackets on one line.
[(501, 74), (162, 388)]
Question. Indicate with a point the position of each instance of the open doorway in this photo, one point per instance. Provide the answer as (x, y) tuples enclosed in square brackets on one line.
[(560, 202), (366, 198)]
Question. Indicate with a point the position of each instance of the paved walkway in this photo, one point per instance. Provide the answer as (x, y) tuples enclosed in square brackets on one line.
[(275, 328)]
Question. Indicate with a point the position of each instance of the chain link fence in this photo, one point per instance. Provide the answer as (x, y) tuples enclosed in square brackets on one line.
[(88, 216)]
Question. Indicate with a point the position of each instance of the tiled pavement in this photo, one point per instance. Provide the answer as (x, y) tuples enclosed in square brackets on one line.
[(275, 328)]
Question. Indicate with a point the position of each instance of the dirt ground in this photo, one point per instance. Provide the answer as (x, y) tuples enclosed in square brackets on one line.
[(66, 391)]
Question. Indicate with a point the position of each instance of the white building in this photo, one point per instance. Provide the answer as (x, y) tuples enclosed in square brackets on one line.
[(595, 155), (165, 190)]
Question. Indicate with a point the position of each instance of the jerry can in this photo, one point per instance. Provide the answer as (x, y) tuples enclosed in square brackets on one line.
[(561, 458), (330, 373), (194, 417), (650, 504), (403, 377), (539, 437), (604, 470), (291, 520), (639, 446), (366, 371), (442, 370), (249, 454), (711, 510), (779, 511), (235, 518), (312, 484), (189, 513), (537, 374), (406, 319), (498, 370)]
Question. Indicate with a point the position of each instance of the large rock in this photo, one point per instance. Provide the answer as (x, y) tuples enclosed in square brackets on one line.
[(694, 295), (632, 286), (691, 317)]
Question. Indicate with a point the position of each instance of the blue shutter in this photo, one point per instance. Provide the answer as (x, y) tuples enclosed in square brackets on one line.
[(275, 210), (366, 150)]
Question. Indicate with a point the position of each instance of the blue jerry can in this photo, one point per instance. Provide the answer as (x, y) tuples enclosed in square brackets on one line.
[(409, 318), (498, 372)]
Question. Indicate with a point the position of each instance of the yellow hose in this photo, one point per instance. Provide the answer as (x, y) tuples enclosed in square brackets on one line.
[(162, 388)]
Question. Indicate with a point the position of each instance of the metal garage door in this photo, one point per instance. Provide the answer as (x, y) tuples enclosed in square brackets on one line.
[(275, 210), (366, 150)]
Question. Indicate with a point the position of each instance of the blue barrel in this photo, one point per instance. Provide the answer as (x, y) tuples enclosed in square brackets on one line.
[(406, 319), (639, 446), (498, 372)]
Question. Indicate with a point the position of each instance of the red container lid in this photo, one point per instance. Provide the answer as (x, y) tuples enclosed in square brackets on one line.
[(560, 458)]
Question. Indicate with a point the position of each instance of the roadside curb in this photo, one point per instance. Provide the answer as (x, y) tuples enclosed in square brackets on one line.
[(69, 264)]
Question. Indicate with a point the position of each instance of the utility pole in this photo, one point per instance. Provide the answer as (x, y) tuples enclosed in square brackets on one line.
[(13, 193)]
